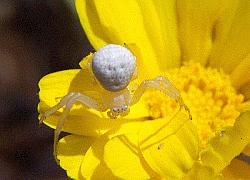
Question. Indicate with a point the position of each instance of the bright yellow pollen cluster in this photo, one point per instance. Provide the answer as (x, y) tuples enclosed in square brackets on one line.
[(208, 93)]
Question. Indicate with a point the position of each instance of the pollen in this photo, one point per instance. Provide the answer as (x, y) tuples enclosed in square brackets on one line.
[(213, 101)]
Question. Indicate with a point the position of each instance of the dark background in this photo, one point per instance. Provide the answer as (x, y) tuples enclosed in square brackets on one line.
[(37, 37)]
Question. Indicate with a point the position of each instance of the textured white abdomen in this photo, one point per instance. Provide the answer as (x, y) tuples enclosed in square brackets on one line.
[(113, 66)]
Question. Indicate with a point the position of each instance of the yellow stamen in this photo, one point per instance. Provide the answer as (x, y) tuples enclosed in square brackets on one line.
[(213, 102)]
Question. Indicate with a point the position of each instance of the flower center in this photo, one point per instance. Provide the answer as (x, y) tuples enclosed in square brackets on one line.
[(208, 93)]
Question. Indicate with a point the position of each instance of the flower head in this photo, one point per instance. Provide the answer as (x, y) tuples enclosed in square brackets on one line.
[(202, 47)]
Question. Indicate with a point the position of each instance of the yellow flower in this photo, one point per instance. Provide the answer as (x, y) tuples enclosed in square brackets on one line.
[(203, 48)]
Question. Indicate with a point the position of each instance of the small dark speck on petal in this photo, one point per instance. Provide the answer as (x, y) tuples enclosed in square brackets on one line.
[(160, 146), (222, 133)]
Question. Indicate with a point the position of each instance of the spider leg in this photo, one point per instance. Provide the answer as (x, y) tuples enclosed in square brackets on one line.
[(125, 112), (165, 86), (53, 109), (112, 115), (77, 97), (91, 103), (146, 84), (80, 97), (60, 124), (169, 89)]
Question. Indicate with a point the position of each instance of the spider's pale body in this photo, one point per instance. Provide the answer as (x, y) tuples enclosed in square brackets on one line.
[(114, 67), (118, 103)]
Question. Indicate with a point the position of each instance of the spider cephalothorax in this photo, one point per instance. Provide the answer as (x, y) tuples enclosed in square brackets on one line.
[(113, 67)]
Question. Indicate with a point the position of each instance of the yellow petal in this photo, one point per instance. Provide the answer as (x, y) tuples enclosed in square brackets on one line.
[(224, 147), (237, 170), (113, 159), (231, 36), (240, 75), (82, 120), (151, 26), (87, 123), (126, 128), (71, 151), (92, 165), (196, 19), (245, 106), (160, 23), (169, 146), (200, 172), (91, 23), (247, 150), (123, 159), (56, 85), (245, 90), (85, 63)]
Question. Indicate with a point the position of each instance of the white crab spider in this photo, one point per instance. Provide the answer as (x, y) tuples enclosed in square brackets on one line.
[(114, 67)]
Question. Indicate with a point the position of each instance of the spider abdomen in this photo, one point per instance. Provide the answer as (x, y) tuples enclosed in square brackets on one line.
[(113, 66)]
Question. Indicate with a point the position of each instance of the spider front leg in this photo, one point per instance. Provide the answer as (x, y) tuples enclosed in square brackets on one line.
[(53, 109), (165, 86), (170, 90), (68, 102)]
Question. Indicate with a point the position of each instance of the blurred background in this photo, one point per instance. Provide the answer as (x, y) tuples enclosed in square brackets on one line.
[(37, 37)]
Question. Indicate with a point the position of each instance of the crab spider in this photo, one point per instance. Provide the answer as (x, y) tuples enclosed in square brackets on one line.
[(113, 67)]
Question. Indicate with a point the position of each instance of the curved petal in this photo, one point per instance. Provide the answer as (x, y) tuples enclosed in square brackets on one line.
[(245, 90), (169, 146), (93, 166), (82, 120), (231, 43), (113, 159), (247, 150), (224, 147), (151, 26), (237, 170), (245, 106), (200, 171), (86, 122), (240, 74), (123, 158), (71, 151), (196, 21), (56, 85)]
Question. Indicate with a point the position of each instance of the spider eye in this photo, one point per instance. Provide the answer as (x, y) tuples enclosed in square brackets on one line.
[(124, 108), (115, 109)]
